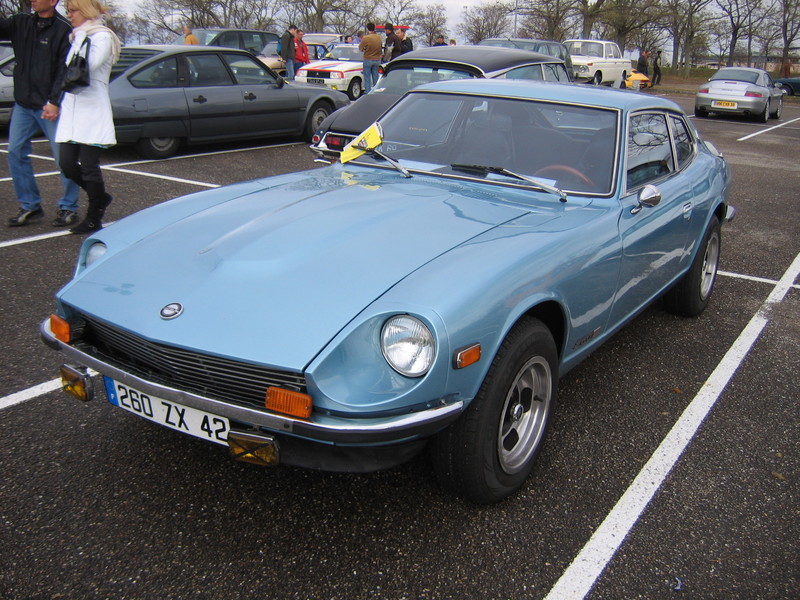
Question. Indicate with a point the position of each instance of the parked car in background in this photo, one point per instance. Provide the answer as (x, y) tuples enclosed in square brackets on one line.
[(482, 239), (790, 85), (342, 70), (165, 96), (549, 47), (637, 80), (423, 66), (598, 61), (252, 40), (741, 91), (6, 87), (270, 57)]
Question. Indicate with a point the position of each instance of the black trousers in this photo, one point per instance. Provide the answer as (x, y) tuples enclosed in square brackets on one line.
[(81, 164)]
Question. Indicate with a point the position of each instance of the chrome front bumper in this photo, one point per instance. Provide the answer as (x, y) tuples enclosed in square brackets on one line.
[(319, 428)]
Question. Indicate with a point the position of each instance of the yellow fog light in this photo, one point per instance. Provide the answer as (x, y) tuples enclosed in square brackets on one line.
[(77, 383), (255, 449)]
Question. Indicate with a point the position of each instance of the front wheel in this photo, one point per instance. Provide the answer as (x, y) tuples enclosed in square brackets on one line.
[(355, 89), (689, 297), (158, 147), (489, 452), (598, 78), (316, 116)]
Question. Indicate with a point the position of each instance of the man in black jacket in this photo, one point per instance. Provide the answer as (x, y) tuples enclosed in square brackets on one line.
[(41, 42)]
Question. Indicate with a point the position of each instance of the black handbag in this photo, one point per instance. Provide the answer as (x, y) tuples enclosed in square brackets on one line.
[(77, 74)]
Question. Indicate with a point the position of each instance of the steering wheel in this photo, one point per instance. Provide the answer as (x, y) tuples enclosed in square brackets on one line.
[(544, 171)]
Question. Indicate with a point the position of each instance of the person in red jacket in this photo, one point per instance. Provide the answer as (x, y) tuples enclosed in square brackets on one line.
[(300, 50)]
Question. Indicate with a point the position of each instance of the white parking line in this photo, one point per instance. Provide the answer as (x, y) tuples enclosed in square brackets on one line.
[(579, 578), (760, 131)]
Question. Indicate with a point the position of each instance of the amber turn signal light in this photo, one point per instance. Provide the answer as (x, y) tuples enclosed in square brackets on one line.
[(60, 328), (289, 402), (467, 356)]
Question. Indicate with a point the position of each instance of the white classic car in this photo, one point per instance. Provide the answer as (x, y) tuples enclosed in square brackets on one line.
[(598, 61), (342, 71)]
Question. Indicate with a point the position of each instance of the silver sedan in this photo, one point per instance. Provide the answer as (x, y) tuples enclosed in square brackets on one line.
[(740, 90)]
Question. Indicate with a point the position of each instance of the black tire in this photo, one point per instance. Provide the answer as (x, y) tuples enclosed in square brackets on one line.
[(355, 89), (689, 297), (488, 453), (622, 83), (764, 116), (700, 113), (778, 109), (598, 78), (158, 147), (316, 116)]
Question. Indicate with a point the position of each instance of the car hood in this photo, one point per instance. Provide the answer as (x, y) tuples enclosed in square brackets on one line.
[(362, 113), (271, 275), (333, 65)]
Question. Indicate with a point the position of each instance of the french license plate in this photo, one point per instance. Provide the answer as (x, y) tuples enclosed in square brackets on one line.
[(315, 80), (723, 104), (198, 423)]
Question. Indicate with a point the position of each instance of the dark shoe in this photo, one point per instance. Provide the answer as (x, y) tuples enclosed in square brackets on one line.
[(24, 217), (86, 226), (65, 217)]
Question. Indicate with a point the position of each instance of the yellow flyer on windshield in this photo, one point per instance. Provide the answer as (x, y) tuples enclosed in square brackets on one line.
[(371, 138)]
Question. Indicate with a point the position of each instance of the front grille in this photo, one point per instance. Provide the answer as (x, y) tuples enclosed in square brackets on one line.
[(318, 74), (240, 383)]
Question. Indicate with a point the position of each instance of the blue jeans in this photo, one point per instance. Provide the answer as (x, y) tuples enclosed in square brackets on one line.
[(25, 123), (370, 74), (290, 69)]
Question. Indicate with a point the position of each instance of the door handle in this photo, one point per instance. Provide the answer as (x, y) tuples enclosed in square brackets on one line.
[(200, 99), (249, 96)]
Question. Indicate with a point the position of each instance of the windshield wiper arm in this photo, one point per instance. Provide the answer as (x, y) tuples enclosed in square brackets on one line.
[(391, 161), (503, 171)]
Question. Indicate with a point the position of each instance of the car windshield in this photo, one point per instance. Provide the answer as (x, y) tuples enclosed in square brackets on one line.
[(563, 145), (736, 75), (401, 79), (346, 53), (585, 48)]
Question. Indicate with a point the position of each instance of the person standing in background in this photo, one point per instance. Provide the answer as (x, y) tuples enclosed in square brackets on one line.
[(440, 40), (86, 125), (40, 41), (643, 64), (287, 50), (300, 50), (370, 47), (657, 68), (392, 46), (406, 45), (189, 38)]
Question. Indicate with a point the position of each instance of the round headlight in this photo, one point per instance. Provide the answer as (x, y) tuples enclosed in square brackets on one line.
[(408, 345), (95, 252)]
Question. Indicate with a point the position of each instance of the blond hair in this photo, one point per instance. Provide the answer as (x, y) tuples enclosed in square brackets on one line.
[(90, 9)]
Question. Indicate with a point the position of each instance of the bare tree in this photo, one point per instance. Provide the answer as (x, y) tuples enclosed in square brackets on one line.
[(622, 18), (549, 19), (789, 11), (735, 11), (429, 23), (589, 12), (485, 21)]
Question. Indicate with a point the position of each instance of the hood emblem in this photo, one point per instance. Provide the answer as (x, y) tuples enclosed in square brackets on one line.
[(172, 310)]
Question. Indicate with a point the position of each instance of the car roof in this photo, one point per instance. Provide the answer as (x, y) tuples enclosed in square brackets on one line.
[(485, 58), (557, 92)]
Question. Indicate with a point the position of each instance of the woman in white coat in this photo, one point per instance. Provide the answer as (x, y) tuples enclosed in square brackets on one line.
[(86, 125)]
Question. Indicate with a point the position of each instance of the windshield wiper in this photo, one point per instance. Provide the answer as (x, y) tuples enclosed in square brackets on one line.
[(391, 161), (484, 169)]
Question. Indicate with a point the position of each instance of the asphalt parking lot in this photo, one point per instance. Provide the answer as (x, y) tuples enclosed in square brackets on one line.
[(671, 469)]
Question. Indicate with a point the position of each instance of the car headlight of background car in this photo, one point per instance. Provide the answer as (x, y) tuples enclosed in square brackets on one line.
[(408, 345)]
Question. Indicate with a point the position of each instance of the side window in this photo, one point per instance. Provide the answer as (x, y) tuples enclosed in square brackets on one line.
[(248, 71), (530, 72), (163, 74), (228, 39), (555, 72), (207, 70), (649, 152), (684, 145)]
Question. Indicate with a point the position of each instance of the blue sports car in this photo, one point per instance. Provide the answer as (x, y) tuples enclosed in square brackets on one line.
[(474, 244)]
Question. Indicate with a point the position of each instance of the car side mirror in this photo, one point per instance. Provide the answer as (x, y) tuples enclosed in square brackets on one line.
[(280, 82), (649, 196)]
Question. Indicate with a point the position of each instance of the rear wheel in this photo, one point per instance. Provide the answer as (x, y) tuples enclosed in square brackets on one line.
[(699, 112), (489, 452), (316, 116), (778, 109), (158, 147), (764, 116), (689, 297)]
